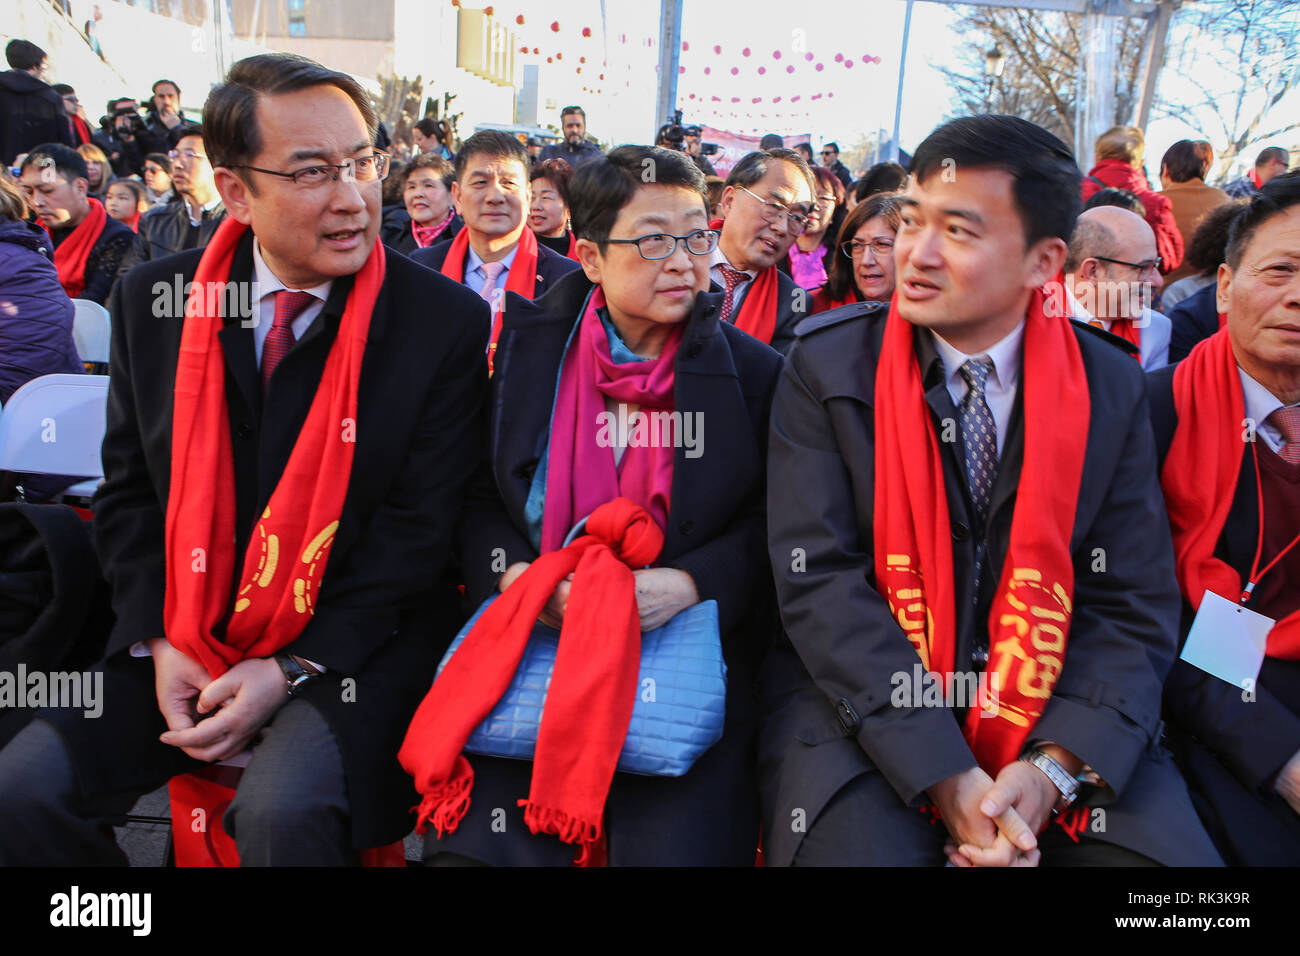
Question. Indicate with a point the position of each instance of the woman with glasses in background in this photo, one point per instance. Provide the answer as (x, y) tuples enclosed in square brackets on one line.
[(862, 269), (814, 250), (684, 508)]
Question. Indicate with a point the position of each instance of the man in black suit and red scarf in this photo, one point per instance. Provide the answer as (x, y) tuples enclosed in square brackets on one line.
[(282, 474)]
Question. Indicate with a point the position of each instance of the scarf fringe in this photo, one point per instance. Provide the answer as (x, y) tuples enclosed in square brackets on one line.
[(447, 805), (570, 829)]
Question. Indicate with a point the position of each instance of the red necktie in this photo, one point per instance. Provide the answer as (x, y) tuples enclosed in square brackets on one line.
[(733, 278), (280, 338), (1287, 421)]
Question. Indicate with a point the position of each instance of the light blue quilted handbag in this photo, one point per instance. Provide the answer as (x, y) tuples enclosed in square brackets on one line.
[(680, 703)]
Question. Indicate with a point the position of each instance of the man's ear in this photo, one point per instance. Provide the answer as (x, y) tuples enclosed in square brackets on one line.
[(1089, 269), (455, 199), (235, 194), (1223, 293), (589, 258), (728, 197), (1045, 260)]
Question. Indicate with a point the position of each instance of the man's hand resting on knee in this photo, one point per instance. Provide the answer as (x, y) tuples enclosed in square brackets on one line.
[(248, 695)]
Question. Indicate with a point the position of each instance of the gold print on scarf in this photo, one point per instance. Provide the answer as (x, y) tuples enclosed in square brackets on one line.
[(908, 604), (1042, 615), (268, 559), (315, 554)]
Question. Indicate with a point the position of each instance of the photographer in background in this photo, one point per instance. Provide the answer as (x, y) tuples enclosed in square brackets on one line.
[(120, 137), (695, 150), (164, 116)]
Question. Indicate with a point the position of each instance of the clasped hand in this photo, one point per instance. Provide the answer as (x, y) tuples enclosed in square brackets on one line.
[(994, 822), (661, 593), (246, 696)]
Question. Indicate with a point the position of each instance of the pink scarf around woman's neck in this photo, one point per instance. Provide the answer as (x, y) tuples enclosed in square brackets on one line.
[(580, 472)]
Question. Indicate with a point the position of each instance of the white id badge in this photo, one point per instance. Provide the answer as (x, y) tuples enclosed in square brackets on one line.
[(1227, 640)]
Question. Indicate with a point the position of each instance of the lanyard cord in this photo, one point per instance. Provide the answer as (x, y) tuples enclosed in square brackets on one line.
[(1255, 572)]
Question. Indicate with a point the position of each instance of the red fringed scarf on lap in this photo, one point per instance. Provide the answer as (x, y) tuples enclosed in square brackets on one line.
[(1200, 479), (1030, 617), (287, 553), (70, 257), (593, 687)]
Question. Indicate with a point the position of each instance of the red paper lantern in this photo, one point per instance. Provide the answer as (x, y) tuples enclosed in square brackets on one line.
[(848, 64), (681, 69), (716, 99), (808, 57), (839, 57), (745, 52), (550, 59), (830, 95), (762, 70), (559, 55), (555, 26), (582, 59), (578, 70), (776, 99), (487, 11), (866, 58), (717, 48), (794, 99), (757, 99), (535, 50), (735, 99), (776, 54), (789, 69), (602, 76), (520, 19), (708, 70), (523, 49), (455, 3), (735, 70), (685, 46), (820, 67), (586, 31)]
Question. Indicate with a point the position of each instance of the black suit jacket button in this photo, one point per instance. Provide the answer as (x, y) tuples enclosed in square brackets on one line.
[(244, 431), (960, 532), (686, 527)]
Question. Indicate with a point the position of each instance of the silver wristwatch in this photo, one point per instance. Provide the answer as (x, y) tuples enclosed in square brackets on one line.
[(1060, 777)]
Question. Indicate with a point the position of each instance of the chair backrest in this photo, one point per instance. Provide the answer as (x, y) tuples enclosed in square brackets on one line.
[(91, 329), (54, 425)]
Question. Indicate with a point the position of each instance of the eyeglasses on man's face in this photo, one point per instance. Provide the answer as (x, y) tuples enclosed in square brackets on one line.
[(1146, 265), (188, 155), (773, 211), (366, 169), (661, 245), (856, 249)]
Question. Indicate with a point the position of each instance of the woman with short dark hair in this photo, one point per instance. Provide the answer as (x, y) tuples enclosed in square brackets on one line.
[(548, 206), (651, 527), (426, 216)]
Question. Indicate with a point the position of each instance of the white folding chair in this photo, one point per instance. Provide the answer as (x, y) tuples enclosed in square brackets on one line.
[(54, 425), (91, 330)]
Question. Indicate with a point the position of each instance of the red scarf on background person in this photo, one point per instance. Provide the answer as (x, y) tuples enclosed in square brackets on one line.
[(1200, 479), (573, 247), (289, 548), (133, 221), (1030, 617), (70, 256), (757, 314), (588, 703), (521, 279), (580, 470), (1126, 329)]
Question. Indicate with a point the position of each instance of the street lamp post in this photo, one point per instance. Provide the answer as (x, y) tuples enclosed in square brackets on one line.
[(995, 61)]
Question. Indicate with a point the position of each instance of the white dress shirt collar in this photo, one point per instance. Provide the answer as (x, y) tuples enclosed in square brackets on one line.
[(1003, 380)]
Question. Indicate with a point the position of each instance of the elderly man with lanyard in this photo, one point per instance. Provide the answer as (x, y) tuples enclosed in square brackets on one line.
[(1227, 425)]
